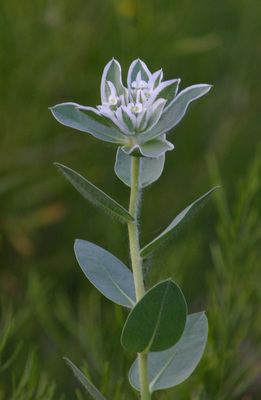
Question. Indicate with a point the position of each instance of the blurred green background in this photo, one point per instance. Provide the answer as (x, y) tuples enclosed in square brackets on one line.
[(55, 51)]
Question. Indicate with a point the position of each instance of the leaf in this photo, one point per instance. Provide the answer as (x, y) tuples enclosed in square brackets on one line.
[(136, 67), (112, 73), (86, 120), (151, 149), (94, 114), (155, 112), (156, 148), (157, 320), (177, 223), (93, 194), (150, 168), (108, 274), (176, 110), (94, 392), (166, 90), (170, 367)]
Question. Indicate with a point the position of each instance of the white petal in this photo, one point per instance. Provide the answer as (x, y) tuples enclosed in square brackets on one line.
[(112, 88), (139, 83), (104, 110), (113, 98)]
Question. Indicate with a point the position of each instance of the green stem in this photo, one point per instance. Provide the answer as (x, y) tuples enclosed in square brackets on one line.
[(137, 267), (133, 230)]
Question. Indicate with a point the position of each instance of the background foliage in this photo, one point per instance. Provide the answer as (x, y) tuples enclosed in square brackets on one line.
[(55, 51)]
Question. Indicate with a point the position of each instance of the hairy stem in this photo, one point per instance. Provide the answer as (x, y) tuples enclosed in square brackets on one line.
[(137, 266), (133, 230)]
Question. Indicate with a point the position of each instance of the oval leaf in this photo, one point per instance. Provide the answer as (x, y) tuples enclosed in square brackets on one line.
[(173, 366), (94, 392), (157, 320), (177, 223), (108, 274), (150, 168), (93, 194), (70, 115)]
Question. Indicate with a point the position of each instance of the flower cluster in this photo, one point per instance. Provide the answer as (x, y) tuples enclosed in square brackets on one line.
[(136, 118), (139, 107)]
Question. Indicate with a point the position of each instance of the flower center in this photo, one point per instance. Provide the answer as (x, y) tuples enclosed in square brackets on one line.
[(113, 100), (135, 108), (139, 84)]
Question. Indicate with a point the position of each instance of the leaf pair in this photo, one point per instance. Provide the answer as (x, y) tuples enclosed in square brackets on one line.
[(150, 170), (166, 368), (171, 367), (157, 321)]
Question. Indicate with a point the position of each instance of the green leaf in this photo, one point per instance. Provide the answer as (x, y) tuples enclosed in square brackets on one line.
[(156, 148), (171, 367), (93, 194), (87, 120), (112, 73), (155, 113), (135, 67), (150, 168), (157, 320), (177, 223), (94, 392), (108, 274), (167, 90), (177, 109), (152, 149)]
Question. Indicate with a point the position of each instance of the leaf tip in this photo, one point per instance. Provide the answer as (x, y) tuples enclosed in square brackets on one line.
[(58, 166)]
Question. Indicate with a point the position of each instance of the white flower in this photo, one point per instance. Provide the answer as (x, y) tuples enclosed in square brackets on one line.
[(135, 108), (136, 117), (139, 83), (139, 107)]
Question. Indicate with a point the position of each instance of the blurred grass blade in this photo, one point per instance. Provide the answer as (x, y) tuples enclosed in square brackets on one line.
[(108, 274), (177, 223), (173, 366), (94, 392), (11, 358), (157, 321), (93, 194)]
